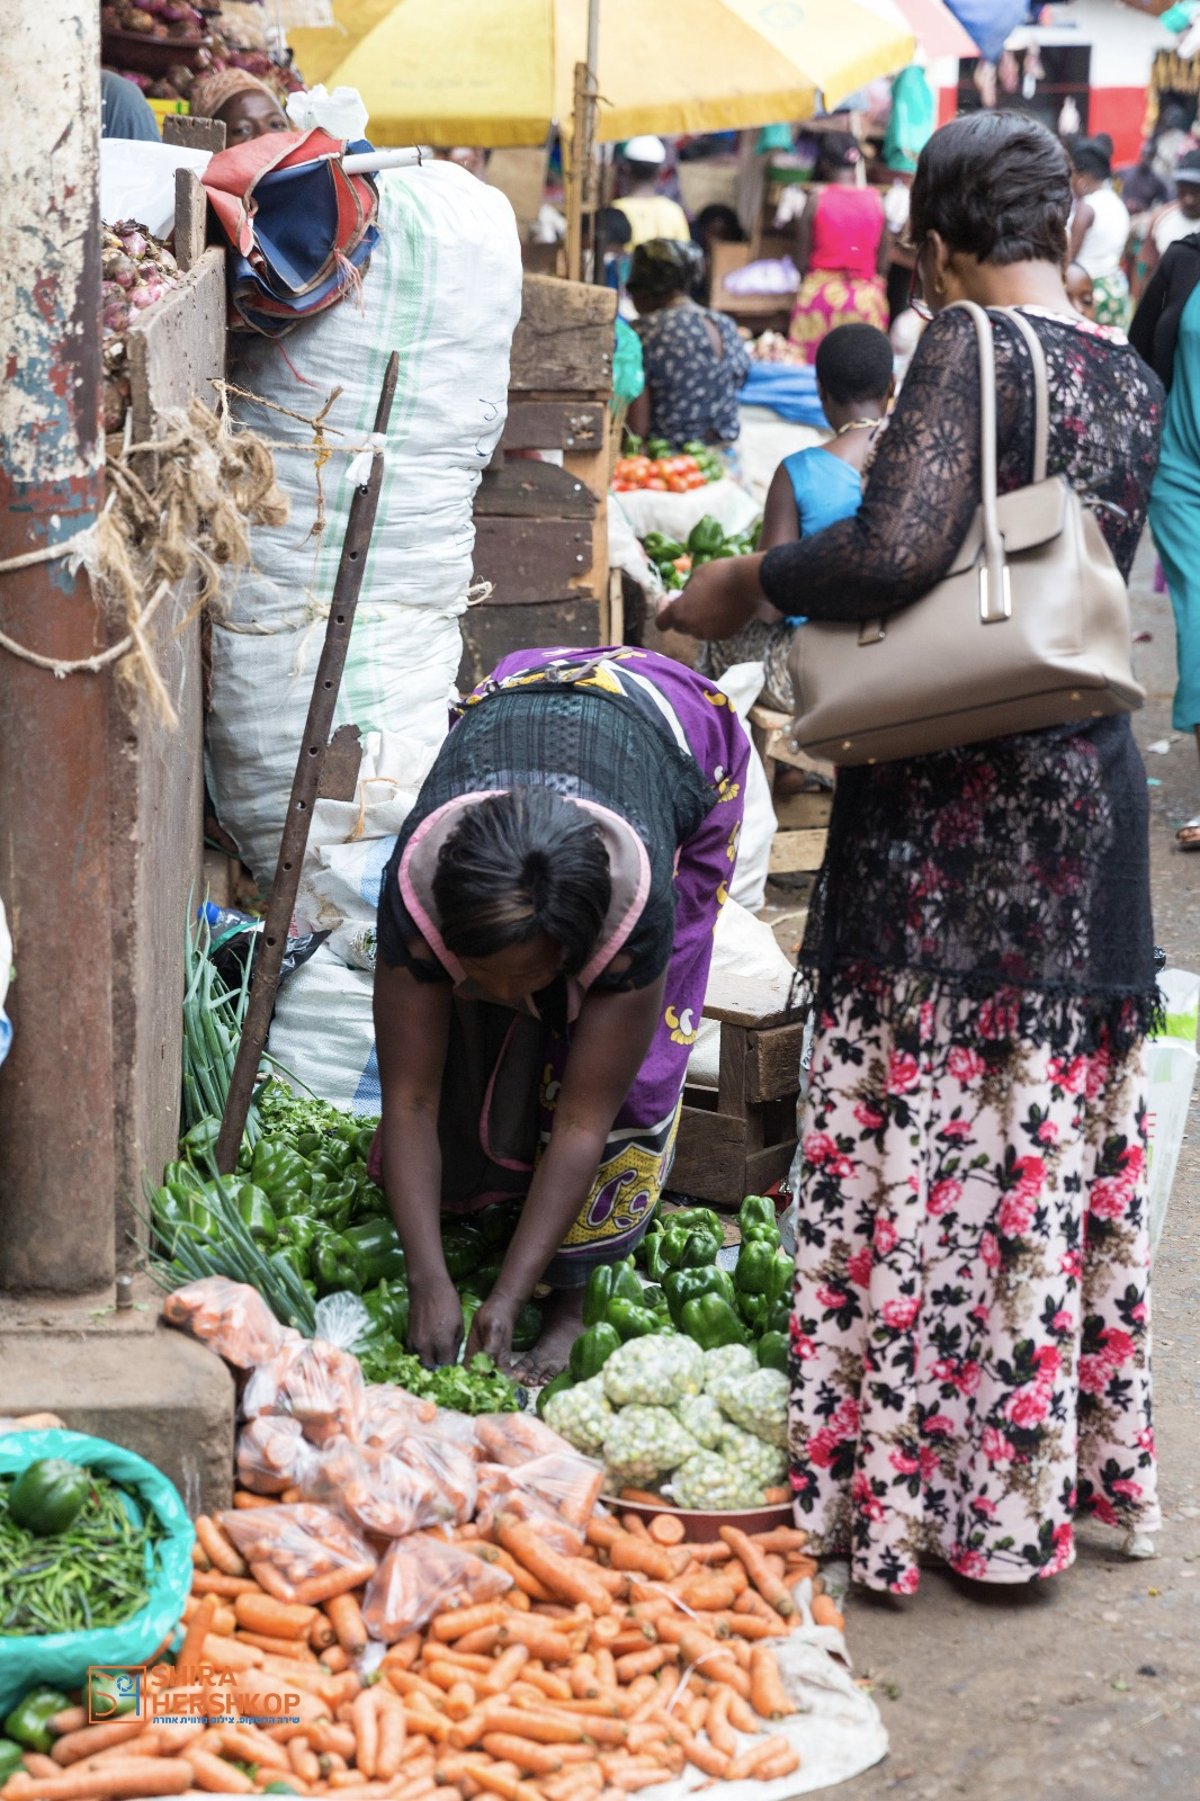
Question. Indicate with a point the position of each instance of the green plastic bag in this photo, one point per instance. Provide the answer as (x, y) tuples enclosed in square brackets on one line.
[(62, 1658)]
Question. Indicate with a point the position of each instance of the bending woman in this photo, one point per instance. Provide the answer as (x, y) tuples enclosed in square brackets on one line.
[(971, 1336), (545, 932)]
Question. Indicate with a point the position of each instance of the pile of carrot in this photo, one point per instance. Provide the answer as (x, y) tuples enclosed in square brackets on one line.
[(598, 1673)]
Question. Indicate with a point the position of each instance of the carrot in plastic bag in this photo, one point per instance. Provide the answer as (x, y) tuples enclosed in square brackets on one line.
[(231, 1318), (301, 1553), (421, 1576)]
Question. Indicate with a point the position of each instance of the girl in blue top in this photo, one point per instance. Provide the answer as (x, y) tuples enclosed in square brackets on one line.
[(815, 488)]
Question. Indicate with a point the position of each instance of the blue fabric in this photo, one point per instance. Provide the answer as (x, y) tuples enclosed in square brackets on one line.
[(1175, 512), (826, 489), (989, 22), (789, 389), (125, 112)]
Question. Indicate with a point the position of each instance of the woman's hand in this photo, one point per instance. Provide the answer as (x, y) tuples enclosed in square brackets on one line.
[(720, 598), (492, 1329), (434, 1321)]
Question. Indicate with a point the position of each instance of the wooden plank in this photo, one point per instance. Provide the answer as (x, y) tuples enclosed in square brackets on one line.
[(731, 1071), (591, 468), (796, 852), (564, 338), (710, 1157), (772, 1061), (194, 134), (768, 1166), (555, 425), (490, 633), (531, 560), (742, 1002), (177, 348), (811, 807), (191, 218), (523, 489)]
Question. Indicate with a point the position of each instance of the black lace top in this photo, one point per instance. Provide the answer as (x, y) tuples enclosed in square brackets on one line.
[(1019, 864)]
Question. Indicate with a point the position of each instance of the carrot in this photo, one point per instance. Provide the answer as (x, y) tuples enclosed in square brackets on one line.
[(780, 1538), (69, 1720), (463, 1660), (495, 1778), (486, 1639), (334, 1658), (461, 1620), (129, 1781), (708, 1594), (526, 1582), (540, 1640), (393, 1729), (278, 1647), (219, 1548), (460, 1700), (405, 1651), (275, 1619), (90, 1739), (748, 1762), (217, 1777), (242, 1499), (365, 1721), (304, 1760), (216, 1582), (548, 1727), (565, 1576), (249, 1745), (532, 1758), (666, 1529), (548, 1683), (635, 1524), (406, 1683), (825, 1612), (716, 1724), (752, 1625), (715, 1552), (708, 1758), (644, 1663), (504, 1670), (768, 1697), (741, 1715), (345, 1616), (601, 1532), (645, 1557), (771, 1587)]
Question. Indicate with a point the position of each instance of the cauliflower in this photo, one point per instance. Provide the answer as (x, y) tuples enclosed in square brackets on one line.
[(581, 1415), (644, 1443), (763, 1464), (759, 1404), (728, 1363), (653, 1372), (700, 1415), (714, 1484)]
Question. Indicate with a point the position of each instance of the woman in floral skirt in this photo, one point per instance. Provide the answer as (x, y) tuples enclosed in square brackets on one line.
[(971, 1342)]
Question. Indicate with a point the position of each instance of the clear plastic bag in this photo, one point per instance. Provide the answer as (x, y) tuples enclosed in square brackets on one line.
[(440, 1461), (317, 1383), (422, 1576), (269, 1451), (500, 1495), (302, 1553), (391, 1413), (373, 1489), (231, 1318), (515, 1438)]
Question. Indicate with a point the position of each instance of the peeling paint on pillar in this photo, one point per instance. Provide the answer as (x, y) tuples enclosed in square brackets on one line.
[(56, 1088)]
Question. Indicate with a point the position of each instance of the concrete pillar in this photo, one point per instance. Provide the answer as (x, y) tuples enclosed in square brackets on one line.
[(56, 1088)]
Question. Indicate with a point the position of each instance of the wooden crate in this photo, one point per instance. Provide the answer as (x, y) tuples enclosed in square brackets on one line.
[(541, 530), (740, 1139)]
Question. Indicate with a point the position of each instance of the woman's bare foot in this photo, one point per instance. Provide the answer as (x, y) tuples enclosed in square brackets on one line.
[(563, 1314)]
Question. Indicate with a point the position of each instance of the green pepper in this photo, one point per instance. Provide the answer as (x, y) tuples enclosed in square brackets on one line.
[(655, 1262), (712, 1322), (756, 1217), (528, 1327), (182, 1175), (338, 1152), (707, 536), (332, 1204), (632, 1320), (772, 1351), (370, 1202), (364, 1142), (779, 1313), (683, 1285), (309, 1143), (336, 1265), (558, 1386), (654, 1298), (685, 1249), (277, 1169), (257, 1215), (378, 1245), (625, 1284), (11, 1759), (597, 1296), (470, 1304), (48, 1494), (387, 1307), (592, 1350), (753, 1272), (463, 1249), (699, 1219), (29, 1721), (201, 1141)]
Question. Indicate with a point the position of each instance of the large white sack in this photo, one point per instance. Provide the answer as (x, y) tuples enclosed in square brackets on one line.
[(444, 289), (746, 947), (322, 1034), (742, 684)]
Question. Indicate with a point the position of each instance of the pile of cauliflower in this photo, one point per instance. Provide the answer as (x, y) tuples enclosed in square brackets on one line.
[(708, 1428)]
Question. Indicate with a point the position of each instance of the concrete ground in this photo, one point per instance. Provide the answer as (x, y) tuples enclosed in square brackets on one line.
[(1086, 1687)]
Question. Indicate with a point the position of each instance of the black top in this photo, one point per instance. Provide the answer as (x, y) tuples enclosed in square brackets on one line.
[(610, 749), (1022, 862), (1155, 325)]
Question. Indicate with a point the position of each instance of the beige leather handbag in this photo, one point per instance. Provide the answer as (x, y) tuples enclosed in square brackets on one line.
[(1030, 627)]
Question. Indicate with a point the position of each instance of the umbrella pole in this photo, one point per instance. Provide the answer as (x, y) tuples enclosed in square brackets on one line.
[(581, 184), (272, 943)]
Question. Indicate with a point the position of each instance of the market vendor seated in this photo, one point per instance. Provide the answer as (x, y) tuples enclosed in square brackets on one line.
[(246, 106), (694, 360), (545, 931)]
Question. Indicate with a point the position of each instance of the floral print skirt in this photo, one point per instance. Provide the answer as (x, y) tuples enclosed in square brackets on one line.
[(971, 1336)]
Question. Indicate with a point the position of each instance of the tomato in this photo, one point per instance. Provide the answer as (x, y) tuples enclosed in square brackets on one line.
[(683, 564), (677, 484), (656, 483), (697, 479), (620, 487), (687, 465)]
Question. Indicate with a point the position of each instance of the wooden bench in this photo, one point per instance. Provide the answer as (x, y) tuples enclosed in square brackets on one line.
[(739, 1139)]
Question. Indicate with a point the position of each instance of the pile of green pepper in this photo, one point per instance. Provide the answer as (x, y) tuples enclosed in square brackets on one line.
[(707, 542), (685, 1290)]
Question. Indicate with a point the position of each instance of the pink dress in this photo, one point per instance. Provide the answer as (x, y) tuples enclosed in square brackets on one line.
[(842, 286)]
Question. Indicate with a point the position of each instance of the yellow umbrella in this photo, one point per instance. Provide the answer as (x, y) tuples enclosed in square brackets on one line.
[(500, 72)]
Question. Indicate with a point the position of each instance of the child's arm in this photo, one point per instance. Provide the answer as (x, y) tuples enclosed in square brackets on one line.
[(781, 521)]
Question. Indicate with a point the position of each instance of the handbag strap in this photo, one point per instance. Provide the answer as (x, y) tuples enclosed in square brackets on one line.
[(995, 602)]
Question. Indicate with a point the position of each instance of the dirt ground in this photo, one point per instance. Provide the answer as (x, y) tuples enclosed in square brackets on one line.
[(1086, 1687)]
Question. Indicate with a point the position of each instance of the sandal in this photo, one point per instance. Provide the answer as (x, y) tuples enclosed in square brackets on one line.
[(1188, 835)]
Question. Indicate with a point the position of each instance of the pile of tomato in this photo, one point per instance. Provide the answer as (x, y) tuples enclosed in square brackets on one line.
[(663, 475)]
